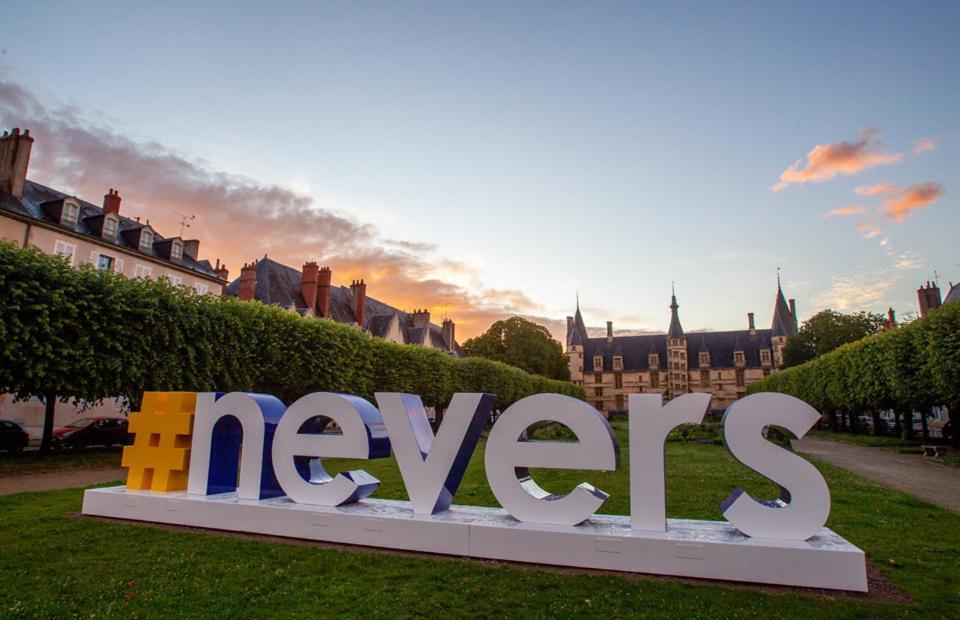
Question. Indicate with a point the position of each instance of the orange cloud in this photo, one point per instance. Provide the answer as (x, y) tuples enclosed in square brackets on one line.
[(914, 198), (825, 161), (850, 210), (868, 228), (923, 145), (873, 190), (239, 219)]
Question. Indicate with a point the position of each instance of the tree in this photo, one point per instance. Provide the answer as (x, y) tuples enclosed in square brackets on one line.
[(524, 344), (828, 330)]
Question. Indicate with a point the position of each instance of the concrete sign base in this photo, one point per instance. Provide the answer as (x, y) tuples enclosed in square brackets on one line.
[(689, 548)]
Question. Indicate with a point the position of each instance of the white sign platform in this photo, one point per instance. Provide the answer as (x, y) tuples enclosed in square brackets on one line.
[(689, 548)]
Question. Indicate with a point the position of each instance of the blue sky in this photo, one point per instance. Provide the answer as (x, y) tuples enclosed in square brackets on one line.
[(544, 148)]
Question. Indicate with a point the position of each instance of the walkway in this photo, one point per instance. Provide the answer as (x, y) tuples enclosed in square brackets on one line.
[(54, 480), (910, 473)]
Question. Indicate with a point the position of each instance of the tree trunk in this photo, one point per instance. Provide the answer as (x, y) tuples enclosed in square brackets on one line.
[(897, 430), (908, 424), (923, 423), (954, 413), (48, 411), (876, 422)]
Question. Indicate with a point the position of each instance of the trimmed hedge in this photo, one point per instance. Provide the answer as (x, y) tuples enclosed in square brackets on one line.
[(92, 335), (914, 367)]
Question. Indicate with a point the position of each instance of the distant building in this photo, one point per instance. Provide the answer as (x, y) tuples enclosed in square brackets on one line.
[(722, 364), (33, 215), (310, 292), (928, 296)]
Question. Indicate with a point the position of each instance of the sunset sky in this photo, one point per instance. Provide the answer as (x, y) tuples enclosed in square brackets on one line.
[(495, 159)]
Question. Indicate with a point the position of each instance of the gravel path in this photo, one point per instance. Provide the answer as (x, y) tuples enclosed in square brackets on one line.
[(54, 480), (910, 473)]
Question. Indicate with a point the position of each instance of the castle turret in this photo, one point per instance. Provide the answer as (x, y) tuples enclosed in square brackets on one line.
[(676, 352), (784, 325), (576, 338)]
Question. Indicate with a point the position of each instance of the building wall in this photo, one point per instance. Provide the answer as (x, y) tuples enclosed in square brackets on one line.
[(12, 230)]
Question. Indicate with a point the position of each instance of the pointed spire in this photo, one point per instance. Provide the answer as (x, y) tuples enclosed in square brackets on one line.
[(676, 330), (578, 331), (784, 323)]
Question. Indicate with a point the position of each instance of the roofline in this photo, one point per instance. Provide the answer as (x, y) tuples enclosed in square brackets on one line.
[(32, 221)]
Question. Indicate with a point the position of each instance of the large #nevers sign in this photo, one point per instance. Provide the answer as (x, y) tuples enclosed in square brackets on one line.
[(245, 462)]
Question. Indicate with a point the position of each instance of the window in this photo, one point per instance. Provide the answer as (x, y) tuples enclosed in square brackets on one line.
[(110, 226), (104, 262), (146, 240), (741, 380), (175, 280), (618, 380), (653, 360), (738, 357), (705, 358), (618, 400), (142, 271), (705, 378), (598, 391), (655, 379), (598, 405), (68, 250), (70, 214), (201, 289), (118, 266), (618, 362), (597, 362), (598, 377), (765, 356), (176, 250)]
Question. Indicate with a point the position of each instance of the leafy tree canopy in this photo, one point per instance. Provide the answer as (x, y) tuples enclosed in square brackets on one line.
[(524, 344), (828, 330)]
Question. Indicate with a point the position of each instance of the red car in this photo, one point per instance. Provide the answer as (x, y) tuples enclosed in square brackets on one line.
[(99, 431)]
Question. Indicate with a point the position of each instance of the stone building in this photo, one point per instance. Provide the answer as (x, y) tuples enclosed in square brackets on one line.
[(311, 292), (928, 296), (722, 364), (33, 215)]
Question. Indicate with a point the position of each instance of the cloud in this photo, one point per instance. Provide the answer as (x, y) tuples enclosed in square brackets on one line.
[(868, 228), (825, 161), (874, 190), (909, 260), (914, 198), (849, 210), (239, 218), (923, 145), (858, 291)]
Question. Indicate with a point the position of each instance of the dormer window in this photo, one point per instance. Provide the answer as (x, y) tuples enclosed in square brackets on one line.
[(705, 358), (176, 250), (146, 240), (653, 360), (598, 362), (765, 356), (70, 213), (618, 362), (110, 226), (738, 358)]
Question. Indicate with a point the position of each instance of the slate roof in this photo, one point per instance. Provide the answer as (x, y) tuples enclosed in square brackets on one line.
[(953, 295), (784, 323), (280, 285), (636, 349), (578, 332), (36, 195), (676, 330)]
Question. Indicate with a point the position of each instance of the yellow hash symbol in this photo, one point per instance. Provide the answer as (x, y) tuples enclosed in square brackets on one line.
[(159, 458)]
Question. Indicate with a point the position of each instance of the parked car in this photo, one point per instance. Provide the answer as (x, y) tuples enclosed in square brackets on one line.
[(12, 436), (100, 431)]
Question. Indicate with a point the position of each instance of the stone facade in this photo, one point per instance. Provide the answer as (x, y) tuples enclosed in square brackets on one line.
[(722, 364)]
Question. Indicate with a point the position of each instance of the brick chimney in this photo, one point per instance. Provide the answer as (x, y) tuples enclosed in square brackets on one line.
[(323, 292), (308, 284), (248, 281), (421, 318), (609, 331), (221, 270), (191, 248), (891, 322), (111, 202), (358, 292), (448, 334), (929, 298), (751, 323), (14, 160)]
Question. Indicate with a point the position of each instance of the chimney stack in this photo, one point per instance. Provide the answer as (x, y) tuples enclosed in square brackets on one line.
[(221, 270), (421, 318), (323, 292), (248, 281), (891, 319), (358, 291), (448, 334), (309, 280), (111, 202), (609, 331), (929, 298), (569, 325), (14, 160), (751, 323)]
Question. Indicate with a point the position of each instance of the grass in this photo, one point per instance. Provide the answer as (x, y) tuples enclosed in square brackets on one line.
[(32, 462), (56, 566)]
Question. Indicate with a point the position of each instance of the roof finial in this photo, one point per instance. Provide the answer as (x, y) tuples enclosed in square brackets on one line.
[(778, 277), (578, 299)]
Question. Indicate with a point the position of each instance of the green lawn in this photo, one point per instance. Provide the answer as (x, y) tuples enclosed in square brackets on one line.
[(32, 461), (54, 565)]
